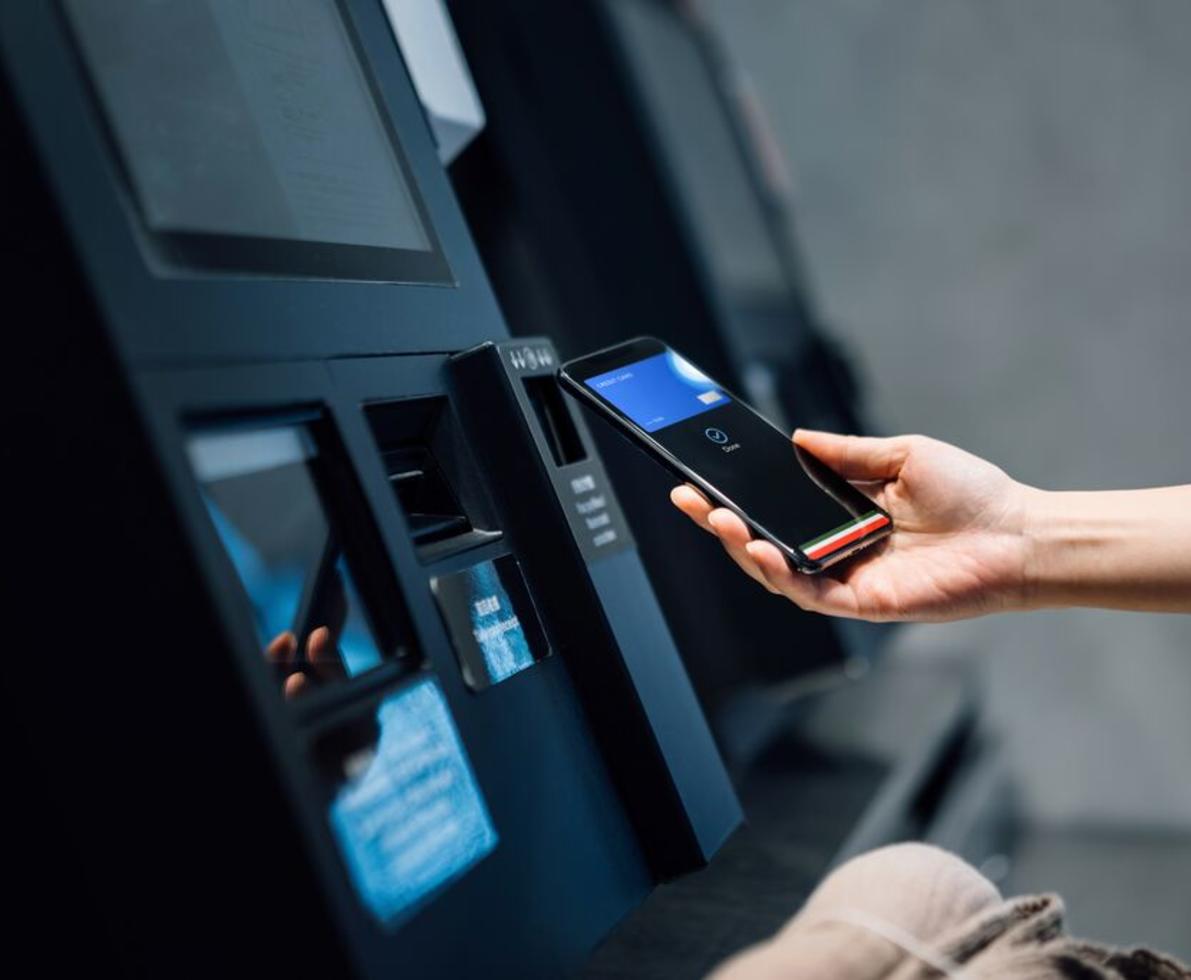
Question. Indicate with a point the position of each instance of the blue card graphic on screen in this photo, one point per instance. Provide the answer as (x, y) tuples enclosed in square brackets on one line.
[(659, 391), (407, 813)]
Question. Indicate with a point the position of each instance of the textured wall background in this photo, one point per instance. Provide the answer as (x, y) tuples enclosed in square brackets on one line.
[(995, 201)]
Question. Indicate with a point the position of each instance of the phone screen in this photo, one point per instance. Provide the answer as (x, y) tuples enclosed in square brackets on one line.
[(749, 462)]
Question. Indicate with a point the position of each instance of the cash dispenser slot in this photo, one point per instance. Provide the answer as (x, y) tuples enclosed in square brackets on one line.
[(432, 476), (434, 511)]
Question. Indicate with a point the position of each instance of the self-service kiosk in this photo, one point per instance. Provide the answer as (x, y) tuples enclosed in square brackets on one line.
[(615, 192), (331, 650)]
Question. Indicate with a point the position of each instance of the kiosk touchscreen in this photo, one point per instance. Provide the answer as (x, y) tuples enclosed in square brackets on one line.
[(252, 139)]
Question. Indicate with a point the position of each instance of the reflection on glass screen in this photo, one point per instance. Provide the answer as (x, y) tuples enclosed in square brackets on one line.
[(261, 489), (247, 118)]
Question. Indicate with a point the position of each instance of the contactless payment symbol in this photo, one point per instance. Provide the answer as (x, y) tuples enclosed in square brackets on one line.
[(718, 436)]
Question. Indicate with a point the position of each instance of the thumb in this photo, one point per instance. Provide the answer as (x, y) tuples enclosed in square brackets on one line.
[(856, 457)]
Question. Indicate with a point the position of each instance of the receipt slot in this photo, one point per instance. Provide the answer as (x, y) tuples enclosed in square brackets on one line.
[(640, 703)]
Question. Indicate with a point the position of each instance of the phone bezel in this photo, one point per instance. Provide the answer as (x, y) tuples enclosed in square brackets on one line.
[(573, 374)]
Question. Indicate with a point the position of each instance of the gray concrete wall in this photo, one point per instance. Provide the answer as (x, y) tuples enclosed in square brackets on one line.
[(995, 201)]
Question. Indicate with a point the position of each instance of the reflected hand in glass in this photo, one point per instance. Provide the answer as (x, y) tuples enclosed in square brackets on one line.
[(264, 492), (301, 675)]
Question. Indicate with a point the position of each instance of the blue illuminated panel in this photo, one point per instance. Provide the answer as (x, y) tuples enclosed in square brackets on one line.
[(659, 391), (408, 815), (492, 621)]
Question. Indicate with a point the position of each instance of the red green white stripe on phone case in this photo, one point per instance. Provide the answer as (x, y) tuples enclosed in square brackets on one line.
[(834, 540)]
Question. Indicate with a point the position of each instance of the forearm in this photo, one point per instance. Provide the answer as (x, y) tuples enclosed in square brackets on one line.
[(1128, 549)]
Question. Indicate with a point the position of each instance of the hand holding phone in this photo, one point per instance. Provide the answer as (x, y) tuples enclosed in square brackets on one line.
[(960, 547), (736, 459)]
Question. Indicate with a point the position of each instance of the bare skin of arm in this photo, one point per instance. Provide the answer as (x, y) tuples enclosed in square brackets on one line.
[(970, 540)]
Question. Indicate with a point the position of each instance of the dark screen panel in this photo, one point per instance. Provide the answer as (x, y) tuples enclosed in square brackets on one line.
[(255, 123)]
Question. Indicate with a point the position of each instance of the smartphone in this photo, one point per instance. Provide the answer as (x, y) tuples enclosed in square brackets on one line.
[(323, 601), (711, 439)]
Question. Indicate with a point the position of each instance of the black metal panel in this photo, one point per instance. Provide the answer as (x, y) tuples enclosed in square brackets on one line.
[(134, 734)]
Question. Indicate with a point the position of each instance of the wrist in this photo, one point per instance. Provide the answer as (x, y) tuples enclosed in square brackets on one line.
[(1077, 546), (1126, 549), (1035, 526)]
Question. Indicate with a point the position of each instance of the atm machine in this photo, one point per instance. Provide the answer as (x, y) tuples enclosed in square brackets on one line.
[(331, 650)]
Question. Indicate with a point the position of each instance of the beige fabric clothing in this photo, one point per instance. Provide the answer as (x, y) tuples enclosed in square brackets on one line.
[(914, 912)]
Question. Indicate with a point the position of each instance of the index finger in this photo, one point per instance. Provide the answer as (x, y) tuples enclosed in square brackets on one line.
[(692, 503)]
